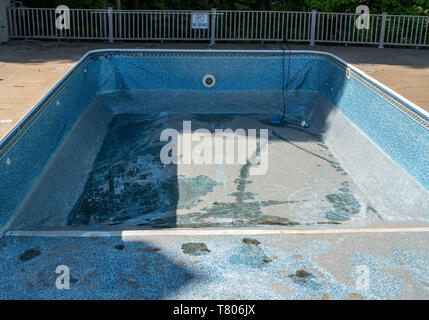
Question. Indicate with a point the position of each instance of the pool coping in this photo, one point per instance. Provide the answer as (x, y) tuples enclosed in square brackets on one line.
[(124, 232)]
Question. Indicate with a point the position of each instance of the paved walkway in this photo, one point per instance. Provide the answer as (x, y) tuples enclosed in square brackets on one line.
[(28, 69)]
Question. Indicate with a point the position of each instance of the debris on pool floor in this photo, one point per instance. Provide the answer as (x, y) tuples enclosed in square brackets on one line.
[(129, 184), (329, 266)]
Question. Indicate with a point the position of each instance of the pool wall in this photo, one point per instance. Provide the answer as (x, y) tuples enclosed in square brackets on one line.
[(111, 81)]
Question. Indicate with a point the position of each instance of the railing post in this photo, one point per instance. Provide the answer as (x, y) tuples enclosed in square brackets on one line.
[(213, 27), (313, 27), (110, 17), (4, 31), (382, 31)]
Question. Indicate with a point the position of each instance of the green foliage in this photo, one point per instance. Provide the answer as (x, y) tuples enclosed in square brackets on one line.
[(376, 6), (418, 7), (333, 5)]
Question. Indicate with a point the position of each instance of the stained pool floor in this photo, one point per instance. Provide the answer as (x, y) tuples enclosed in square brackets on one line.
[(304, 184)]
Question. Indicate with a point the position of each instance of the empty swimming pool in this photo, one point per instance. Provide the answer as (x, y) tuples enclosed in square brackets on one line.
[(139, 139)]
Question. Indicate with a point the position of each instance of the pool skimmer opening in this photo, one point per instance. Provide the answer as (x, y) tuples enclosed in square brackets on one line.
[(209, 81)]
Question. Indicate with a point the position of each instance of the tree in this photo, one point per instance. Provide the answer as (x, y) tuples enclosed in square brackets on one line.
[(403, 7)]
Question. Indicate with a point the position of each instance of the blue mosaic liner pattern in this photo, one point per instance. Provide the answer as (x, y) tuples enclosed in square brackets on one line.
[(22, 128), (36, 112), (411, 112), (395, 101), (376, 111)]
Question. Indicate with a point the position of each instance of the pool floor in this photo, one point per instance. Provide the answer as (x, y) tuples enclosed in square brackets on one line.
[(304, 185)]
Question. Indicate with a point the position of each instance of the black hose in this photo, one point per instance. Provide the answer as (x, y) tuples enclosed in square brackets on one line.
[(284, 87)]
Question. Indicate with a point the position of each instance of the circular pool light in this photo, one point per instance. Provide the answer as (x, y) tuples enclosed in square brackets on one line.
[(209, 81)]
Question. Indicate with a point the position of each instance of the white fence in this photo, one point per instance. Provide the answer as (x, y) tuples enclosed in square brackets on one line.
[(313, 27)]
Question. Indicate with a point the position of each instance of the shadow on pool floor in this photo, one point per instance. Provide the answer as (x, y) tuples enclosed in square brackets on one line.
[(303, 184)]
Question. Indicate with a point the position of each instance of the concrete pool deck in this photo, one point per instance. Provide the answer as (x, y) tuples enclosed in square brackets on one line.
[(389, 260)]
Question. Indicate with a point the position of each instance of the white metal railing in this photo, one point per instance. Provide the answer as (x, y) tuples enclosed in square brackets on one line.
[(263, 25), (39, 23), (340, 28), (320, 27), (407, 30), (155, 25)]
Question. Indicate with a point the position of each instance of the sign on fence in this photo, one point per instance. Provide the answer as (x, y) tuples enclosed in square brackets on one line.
[(200, 20)]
